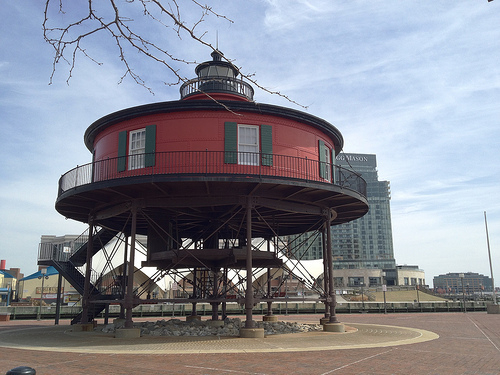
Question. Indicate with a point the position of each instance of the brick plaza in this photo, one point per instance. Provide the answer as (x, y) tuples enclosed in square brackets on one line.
[(468, 343)]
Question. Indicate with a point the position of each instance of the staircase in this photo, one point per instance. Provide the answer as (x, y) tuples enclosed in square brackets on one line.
[(99, 240), (67, 263)]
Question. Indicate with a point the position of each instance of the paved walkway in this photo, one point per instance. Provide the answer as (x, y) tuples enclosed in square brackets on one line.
[(428, 343)]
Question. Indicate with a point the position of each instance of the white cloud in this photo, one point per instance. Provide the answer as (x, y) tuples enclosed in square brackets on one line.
[(290, 15)]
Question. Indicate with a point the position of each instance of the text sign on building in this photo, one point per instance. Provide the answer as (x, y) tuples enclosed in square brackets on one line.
[(366, 160), (47, 289)]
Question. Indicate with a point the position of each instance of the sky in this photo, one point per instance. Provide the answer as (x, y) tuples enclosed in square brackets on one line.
[(416, 82)]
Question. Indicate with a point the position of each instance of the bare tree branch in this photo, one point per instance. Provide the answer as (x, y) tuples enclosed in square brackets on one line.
[(105, 17)]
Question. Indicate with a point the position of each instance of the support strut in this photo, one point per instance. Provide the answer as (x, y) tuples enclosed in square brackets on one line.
[(249, 290), (88, 270), (129, 298)]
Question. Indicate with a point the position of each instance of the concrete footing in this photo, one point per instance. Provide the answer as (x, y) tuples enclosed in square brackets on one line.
[(493, 309), (324, 321), (190, 318), (252, 333), (127, 333), (333, 327), (270, 318), (87, 327)]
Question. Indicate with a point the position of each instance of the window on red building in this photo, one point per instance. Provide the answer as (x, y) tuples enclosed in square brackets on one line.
[(139, 151), (137, 148), (325, 160), (248, 144)]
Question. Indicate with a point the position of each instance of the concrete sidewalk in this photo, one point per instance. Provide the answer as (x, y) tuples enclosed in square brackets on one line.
[(429, 343)]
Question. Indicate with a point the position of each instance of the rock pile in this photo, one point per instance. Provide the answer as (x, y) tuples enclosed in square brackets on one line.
[(231, 327)]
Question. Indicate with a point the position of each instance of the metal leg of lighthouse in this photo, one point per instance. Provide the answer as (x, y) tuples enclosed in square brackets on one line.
[(58, 299), (224, 293), (129, 330), (88, 270), (269, 317), (326, 268), (85, 325), (194, 296), (124, 279), (333, 325), (249, 331), (215, 295), (249, 323)]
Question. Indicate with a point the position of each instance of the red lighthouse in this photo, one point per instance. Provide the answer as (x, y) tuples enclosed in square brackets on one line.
[(202, 177)]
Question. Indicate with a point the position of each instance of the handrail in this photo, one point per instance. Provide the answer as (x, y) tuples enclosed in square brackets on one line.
[(55, 252), (216, 84), (82, 240), (61, 251), (214, 163)]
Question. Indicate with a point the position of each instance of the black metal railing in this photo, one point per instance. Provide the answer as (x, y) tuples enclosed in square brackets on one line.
[(215, 163), (216, 84), (60, 254), (60, 259), (57, 252)]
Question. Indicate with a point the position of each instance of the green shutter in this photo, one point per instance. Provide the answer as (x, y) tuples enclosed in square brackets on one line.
[(266, 144), (150, 148), (230, 143), (122, 151), (322, 159), (334, 167)]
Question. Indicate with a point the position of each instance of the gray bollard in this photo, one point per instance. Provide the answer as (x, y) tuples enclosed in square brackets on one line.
[(22, 370)]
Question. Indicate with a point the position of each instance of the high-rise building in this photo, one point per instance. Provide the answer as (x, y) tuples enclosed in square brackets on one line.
[(468, 282), (365, 243)]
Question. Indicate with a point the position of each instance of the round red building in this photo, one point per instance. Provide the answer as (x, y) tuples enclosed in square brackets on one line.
[(213, 170)]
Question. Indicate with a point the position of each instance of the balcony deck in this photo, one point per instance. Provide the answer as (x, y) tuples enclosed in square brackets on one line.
[(197, 188)]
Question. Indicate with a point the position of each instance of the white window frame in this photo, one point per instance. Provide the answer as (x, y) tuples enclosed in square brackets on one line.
[(137, 149), (248, 152), (328, 163)]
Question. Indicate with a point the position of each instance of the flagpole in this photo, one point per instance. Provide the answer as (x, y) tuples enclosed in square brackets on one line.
[(489, 256)]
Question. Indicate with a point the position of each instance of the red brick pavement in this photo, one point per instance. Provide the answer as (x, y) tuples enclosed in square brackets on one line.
[(468, 344)]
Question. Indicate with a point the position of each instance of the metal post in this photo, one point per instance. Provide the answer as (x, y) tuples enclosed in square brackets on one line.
[(489, 257), (129, 298), (325, 272), (106, 314), (362, 296), (286, 292), (331, 297), (195, 293), (124, 278), (384, 289), (269, 303), (43, 277), (58, 299), (43, 280), (88, 270), (215, 295), (249, 287), (224, 293)]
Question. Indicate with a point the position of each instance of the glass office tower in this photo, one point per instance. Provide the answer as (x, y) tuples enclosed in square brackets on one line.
[(362, 243)]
